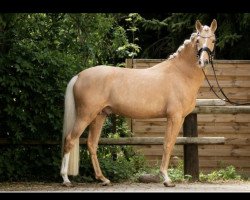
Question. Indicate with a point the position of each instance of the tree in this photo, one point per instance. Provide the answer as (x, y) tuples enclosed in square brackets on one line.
[(163, 33), (39, 54)]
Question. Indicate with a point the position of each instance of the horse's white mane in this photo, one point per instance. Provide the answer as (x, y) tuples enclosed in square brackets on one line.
[(186, 42)]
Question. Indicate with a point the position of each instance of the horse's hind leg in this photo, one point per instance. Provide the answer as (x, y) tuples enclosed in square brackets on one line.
[(93, 138), (70, 140)]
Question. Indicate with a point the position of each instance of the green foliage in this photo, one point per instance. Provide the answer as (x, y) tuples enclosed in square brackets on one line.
[(131, 49), (39, 53), (229, 173), (122, 168), (121, 128), (163, 34), (34, 73), (177, 173), (30, 163), (122, 165)]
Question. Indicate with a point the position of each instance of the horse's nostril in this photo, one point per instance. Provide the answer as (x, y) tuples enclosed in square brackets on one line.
[(199, 62), (206, 62)]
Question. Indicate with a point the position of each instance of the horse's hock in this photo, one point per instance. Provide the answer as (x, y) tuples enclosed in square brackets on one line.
[(213, 120)]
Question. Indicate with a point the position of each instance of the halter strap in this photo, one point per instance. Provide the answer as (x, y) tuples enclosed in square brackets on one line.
[(209, 52)]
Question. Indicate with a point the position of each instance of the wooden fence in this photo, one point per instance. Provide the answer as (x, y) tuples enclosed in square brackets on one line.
[(234, 77)]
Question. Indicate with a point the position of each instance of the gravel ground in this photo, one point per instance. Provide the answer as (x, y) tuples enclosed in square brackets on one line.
[(231, 186)]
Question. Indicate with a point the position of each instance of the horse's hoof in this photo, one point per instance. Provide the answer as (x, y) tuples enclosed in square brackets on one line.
[(169, 184), (67, 184), (106, 183)]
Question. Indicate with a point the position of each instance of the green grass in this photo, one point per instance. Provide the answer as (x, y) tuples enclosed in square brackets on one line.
[(177, 174), (229, 173)]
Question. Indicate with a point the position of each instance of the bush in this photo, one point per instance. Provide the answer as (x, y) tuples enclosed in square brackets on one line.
[(30, 163), (121, 167), (39, 53)]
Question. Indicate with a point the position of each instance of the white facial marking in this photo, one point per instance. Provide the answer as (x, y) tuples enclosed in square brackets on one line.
[(205, 43), (202, 63)]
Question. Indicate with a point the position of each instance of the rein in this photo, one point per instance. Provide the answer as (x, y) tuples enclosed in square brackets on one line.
[(220, 88)]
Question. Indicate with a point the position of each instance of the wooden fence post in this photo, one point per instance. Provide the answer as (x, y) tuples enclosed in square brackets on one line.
[(191, 157)]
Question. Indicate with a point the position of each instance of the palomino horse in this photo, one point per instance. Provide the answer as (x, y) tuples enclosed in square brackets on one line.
[(168, 89)]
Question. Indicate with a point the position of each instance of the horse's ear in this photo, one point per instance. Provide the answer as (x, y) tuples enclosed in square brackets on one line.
[(198, 26), (213, 26)]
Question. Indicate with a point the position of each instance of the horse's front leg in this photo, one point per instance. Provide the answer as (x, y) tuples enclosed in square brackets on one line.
[(174, 124)]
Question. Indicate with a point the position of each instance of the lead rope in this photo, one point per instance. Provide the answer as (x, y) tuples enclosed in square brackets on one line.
[(220, 88)]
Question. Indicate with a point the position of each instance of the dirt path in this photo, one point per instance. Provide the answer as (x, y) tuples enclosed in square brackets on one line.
[(126, 187)]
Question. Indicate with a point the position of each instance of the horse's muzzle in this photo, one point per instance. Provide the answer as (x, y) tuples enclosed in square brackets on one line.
[(204, 63)]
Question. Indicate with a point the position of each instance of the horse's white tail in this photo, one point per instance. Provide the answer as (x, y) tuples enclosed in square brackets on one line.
[(69, 120)]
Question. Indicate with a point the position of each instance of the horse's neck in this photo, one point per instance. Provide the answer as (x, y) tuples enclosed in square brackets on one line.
[(187, 63), (188, 55)]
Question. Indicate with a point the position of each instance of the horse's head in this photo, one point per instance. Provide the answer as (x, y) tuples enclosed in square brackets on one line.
[(205, 42)]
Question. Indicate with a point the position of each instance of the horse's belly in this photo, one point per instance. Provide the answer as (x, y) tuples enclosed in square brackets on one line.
[(136, 111)]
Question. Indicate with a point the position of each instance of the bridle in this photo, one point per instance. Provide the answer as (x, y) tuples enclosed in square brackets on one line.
[(211, 57), (209, 52)]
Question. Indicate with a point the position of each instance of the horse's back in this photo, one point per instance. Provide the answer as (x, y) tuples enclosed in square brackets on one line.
[(109, 75)]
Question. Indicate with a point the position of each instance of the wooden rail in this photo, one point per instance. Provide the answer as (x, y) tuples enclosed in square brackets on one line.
[(222, 109), (130, 141)]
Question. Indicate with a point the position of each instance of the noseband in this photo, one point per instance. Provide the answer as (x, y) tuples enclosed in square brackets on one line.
[(209, 52)]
